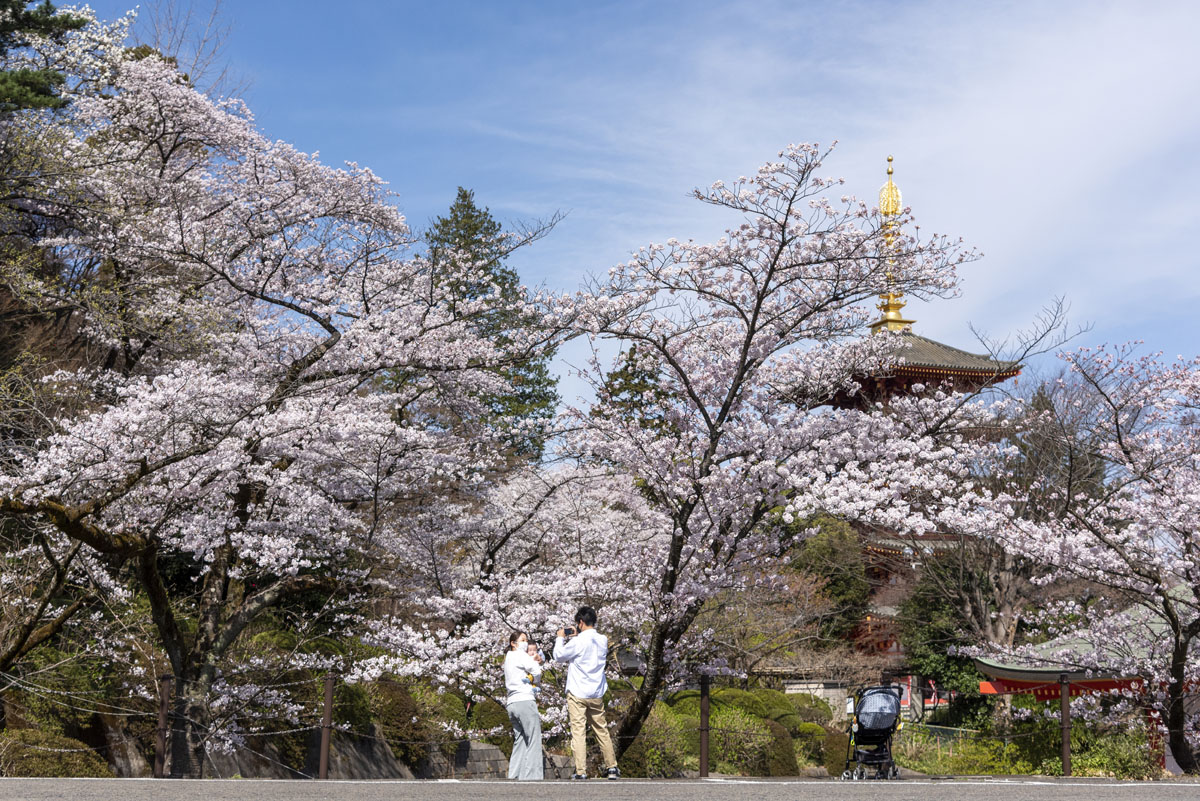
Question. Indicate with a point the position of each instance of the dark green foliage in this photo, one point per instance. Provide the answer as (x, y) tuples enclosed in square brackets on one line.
[(352, 706), (23, 752), (402, 720), (835, 555), (837, 742), (929, 627), (487, 715), (810, 741), (633, 391), (467, 236), (781, 752), (663, 746), (810, 708), (779, 709), (20, 89)]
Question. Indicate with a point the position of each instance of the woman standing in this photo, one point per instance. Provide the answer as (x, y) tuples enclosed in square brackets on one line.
[(522, 669)]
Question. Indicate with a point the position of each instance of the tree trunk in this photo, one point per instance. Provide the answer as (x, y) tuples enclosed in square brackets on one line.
[(1176, 714), (652, 684), (189, 728)]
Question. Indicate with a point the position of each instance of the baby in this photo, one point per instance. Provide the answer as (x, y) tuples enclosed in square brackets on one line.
[(530, 679)]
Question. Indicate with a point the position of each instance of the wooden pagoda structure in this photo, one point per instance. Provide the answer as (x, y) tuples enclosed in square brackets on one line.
[(893, 561), (920, 360)]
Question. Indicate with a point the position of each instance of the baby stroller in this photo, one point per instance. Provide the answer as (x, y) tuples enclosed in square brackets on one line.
[(876, 713)]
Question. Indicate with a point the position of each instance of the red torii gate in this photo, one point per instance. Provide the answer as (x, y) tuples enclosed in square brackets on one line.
[(1047, 683)]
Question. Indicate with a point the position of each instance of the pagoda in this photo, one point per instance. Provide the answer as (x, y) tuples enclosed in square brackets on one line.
[(892, 560), (921, 360)]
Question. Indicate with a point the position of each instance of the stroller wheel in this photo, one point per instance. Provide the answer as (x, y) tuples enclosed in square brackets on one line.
[(860, 773), (845, 775), (894, 773)]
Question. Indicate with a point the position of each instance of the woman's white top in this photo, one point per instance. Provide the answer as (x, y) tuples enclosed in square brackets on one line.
[(518, 667)]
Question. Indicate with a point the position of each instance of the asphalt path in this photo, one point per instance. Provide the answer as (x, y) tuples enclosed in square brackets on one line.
[(623, 790)]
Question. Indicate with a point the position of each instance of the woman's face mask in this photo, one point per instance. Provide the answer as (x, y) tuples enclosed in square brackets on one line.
[(522, 643)]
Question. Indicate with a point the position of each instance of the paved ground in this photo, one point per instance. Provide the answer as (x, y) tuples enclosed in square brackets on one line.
[(623, 790)]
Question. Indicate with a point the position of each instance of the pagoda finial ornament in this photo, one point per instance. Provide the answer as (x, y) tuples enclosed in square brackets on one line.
[(890, 208)]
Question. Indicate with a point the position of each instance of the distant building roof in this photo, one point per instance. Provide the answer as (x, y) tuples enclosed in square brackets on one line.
[(926, 355)]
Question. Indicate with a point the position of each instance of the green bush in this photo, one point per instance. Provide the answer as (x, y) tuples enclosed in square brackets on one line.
[(744, 700), (781, 752), (487, 715), (1120, 756), (1116, 756), (30, 753), (810, 743), (810, 708), (925, 753), (834, 750), (738, 742), (779, 709), (397, 712), (663, 746), (687, 702)]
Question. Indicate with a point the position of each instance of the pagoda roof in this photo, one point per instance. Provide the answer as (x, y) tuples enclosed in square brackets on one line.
[(921, 354)]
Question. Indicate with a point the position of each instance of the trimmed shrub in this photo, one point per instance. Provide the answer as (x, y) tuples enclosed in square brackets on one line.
[(836, 745), (662, 747), (738, 742), (781, 752), (810, 708), (32, 753), (810, 743), (779, 709), (744, 700), (687, 702)]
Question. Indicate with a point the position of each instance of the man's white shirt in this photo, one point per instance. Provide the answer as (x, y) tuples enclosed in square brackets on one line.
[(586, 654)]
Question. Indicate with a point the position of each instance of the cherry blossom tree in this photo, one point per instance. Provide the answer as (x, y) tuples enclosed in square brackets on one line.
[(1133, 534), (744, 343), (243, 449), (521, 558), (46, 580)]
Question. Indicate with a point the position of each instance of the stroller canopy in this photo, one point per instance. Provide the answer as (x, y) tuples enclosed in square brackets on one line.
[(878, 708)]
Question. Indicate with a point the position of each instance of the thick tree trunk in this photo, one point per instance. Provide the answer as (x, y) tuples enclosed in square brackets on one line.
[(1176, 713), (189, 729), (653, 682)]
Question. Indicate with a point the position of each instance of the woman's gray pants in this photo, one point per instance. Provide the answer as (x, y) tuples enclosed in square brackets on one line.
[(526, 760)]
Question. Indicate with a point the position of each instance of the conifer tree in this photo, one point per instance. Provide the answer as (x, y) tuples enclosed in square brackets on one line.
[(28, 88), (467, 237)]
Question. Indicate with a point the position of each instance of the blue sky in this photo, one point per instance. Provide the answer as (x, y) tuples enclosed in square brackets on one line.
[(1060, 139)]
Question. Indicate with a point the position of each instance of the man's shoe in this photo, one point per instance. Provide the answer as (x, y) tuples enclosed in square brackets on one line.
[(578, 777), (614, 773)]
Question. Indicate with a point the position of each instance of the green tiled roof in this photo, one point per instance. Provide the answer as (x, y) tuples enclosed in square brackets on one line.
[(924, 352)]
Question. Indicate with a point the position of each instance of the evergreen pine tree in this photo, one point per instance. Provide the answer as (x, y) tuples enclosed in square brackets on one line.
[(469, 232), (26, 88)]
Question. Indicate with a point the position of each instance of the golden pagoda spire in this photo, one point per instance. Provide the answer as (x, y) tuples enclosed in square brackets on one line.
[(890, 207)]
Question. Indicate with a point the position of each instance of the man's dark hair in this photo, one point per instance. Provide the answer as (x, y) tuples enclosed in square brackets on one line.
[(586, 614)]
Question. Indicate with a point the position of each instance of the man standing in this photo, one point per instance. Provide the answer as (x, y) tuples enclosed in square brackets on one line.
[(586, 654)]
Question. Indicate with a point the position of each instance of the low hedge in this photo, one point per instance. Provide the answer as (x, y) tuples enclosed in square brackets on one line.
[(781, 752), (810, 708), (665, 747), (809, 739), (834, 750), (779, 709)]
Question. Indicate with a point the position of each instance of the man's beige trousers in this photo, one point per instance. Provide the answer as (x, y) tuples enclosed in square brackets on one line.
[(580, 712)]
